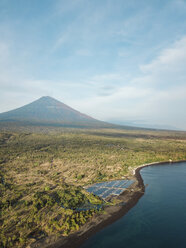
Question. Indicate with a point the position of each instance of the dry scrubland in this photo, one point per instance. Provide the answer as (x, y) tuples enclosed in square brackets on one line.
[(42, 174)]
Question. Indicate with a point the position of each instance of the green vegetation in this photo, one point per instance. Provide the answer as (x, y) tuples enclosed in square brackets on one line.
[(42, 174)]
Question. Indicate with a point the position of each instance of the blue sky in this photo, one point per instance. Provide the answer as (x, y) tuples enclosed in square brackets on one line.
[(117, 60)]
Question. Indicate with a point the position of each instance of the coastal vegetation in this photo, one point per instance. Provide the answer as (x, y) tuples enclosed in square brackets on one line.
[(43, 171)]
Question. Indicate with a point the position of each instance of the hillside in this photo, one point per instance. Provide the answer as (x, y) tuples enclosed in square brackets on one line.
[(42, 175)]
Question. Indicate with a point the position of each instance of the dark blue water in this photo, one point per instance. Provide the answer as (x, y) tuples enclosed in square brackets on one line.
[(159, 218)]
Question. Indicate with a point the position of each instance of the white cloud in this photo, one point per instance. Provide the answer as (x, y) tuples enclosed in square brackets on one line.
[(157, 95), (173, 58)]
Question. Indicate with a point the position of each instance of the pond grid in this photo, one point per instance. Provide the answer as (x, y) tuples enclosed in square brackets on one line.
[(106, 189)]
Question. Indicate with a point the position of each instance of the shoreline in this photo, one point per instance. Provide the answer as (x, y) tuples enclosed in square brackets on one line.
[(113, 213)]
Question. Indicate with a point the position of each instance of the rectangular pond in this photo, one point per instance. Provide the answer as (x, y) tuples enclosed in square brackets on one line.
[(106, 189)]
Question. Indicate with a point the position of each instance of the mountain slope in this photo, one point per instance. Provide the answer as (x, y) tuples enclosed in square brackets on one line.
[(48, 110)]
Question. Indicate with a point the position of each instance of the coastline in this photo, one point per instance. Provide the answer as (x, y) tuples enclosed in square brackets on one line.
[(112, 213)]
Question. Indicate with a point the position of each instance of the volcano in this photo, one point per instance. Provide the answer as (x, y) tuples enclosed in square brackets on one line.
[(49, 111)]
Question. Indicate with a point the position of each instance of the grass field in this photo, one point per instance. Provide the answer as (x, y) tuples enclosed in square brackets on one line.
[(42, 173)]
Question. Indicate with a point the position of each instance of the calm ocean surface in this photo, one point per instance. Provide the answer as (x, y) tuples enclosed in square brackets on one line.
[(158, 219)]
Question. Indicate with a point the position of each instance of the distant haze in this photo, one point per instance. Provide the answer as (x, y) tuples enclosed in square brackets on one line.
[(144, 124), (117, 61)]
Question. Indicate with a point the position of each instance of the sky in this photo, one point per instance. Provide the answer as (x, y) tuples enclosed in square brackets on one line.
[(122, 61)]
